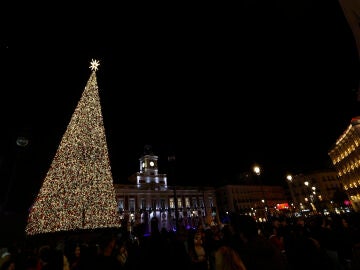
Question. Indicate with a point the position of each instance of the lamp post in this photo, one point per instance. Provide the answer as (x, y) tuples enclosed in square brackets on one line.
[(171, 160), (307, 194), (257, 171), (313, 198), (21, 143), (289, 179)]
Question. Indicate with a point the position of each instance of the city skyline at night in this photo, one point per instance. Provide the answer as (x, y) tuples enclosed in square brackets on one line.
[(273, 85)]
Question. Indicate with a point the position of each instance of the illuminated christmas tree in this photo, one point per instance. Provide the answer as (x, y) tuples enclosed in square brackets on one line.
[(77, 192)]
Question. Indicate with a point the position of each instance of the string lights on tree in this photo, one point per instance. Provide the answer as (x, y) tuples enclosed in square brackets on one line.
[(77, 192)]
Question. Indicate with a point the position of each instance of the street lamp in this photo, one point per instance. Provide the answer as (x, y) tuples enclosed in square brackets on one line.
[(257, 171), (171, 160), (289, 179), (308, 198), (21, 142), (313, 198)]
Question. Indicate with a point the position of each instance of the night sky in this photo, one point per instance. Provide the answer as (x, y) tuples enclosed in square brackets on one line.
[(220, 88)]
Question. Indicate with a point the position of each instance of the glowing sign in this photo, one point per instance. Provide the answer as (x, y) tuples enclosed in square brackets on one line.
[(282, 206)]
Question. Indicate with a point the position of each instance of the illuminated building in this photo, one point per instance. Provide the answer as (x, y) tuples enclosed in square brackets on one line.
[(314, 191), (246, 199), (148, 196), (345, 156)]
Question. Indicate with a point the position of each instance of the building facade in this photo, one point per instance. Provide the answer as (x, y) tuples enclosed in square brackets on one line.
[(259, 201), (315, 191), (345, 156), (148, 201)]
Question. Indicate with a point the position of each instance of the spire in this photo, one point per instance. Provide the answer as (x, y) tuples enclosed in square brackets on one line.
[(148, 150)]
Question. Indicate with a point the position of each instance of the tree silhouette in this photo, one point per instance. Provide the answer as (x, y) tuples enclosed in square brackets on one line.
[(78, 192)]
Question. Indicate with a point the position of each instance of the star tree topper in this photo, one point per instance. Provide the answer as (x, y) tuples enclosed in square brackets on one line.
[(94, 64)]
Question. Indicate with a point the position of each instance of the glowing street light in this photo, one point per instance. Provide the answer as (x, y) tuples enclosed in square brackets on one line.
[(257, 171), (289, 179), (310, 196), (21, 142)]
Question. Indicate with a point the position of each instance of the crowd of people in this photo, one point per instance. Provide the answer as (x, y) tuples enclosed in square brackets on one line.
[(282, 243)]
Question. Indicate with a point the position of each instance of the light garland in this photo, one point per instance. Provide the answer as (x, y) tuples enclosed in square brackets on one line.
[(78, 192)]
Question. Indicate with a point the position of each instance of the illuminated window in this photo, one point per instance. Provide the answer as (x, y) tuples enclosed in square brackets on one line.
[(201, 202), (171, 203), (132, 204), (211, 202), (194, 203), (153, 205), (179, 202), (143, 204), (187, 202), (121, 204)]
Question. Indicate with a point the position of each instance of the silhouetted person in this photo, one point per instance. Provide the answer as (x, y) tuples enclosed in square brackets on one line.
[(255, 250)]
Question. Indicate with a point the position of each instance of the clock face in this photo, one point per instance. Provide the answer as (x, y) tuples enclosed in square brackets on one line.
[(152, 163)]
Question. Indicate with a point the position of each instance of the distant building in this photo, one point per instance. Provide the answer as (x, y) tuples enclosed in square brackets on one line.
[(314, 191), (255, 200)]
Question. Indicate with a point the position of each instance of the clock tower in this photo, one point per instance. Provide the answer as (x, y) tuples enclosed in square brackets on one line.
[(148, 175), (149, 165)]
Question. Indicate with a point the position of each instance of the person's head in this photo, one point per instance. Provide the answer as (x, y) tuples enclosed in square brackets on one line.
[(123, 247), (244, 225), (198, 239), (45, 253), (275, 222), (8, 265), (77, 251)]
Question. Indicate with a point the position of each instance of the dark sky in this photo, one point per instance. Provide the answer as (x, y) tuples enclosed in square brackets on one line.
[(220, 87)]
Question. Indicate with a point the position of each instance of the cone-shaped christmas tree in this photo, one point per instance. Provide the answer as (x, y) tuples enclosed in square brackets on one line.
[(78, 192)]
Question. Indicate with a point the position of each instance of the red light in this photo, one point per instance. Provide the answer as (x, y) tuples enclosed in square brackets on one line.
[(282, 206)]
